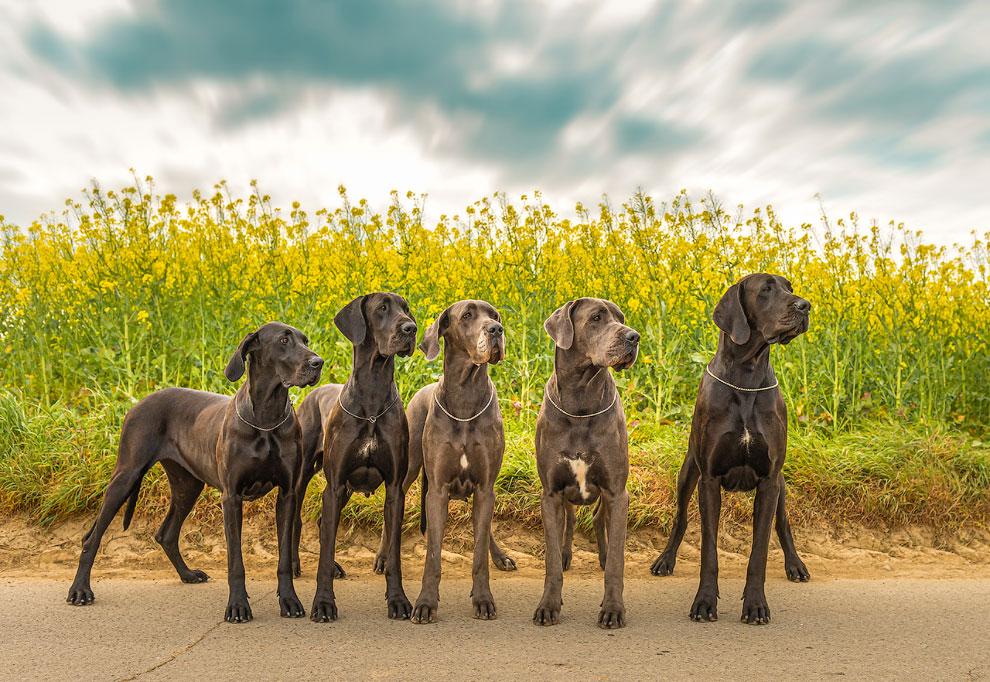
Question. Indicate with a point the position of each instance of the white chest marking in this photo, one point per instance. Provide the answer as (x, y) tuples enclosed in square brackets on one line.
[(464, 462), (368, 447), (580, 469), (746, 439)]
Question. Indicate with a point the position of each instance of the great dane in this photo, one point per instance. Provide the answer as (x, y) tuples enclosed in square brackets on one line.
[(456, 435), (738, 439), (359, 431), (243, 446), (582, 447)]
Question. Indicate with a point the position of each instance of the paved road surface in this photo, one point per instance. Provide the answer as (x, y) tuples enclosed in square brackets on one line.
[(160, 629)]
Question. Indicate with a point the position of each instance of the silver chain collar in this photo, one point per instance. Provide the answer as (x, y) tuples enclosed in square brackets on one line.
[(582, 416), (491, 397), (371, 420), (740, 388), (288, 413)]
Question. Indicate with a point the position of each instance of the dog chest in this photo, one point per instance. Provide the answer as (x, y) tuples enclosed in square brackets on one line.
[(577, 477), (740, 459)]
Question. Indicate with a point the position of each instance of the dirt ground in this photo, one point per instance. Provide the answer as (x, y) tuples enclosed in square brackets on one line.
[(879, 606)]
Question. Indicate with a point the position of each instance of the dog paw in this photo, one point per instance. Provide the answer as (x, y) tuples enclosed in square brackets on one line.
[(323, 611), (424, 612), (664, 565), (796, 571), (755, 610), (547, 613), (238, 611), (379, 564), (338, 572), (565, 560), (194, 577), (80, 595), (612, 616), (704, 607), (399, 607), (484, 608), (504, 563), (291, 607)]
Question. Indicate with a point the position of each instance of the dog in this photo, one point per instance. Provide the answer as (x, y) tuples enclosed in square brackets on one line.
[(359, 432), (582, 448), (738, 439), (243, 446), (456, 436)]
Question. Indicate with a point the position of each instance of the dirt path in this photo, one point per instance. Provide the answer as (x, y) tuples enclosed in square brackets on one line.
[(879, 606)]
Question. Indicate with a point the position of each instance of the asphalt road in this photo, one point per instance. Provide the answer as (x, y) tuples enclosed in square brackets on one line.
[(896, 628)]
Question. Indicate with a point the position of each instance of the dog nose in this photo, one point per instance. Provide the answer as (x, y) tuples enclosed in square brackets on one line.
[(316, 362), (408, 328), (632, 336), (495, 329), (803, 305)]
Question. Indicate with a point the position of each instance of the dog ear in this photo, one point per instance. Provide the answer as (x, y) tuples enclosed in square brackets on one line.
[(730, 317), (350, 321), (560, 327), (235, 368), (430, 345)]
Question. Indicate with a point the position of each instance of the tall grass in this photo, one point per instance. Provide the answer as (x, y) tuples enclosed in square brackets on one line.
[(131, 291)]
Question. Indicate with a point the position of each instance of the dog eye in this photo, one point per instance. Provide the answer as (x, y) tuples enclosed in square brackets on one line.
[(284, 339), (597, 318), (384, 307), (466, 316)]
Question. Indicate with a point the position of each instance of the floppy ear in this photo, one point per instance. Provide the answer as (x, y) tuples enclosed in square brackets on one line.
[(730, 317), (430, 345), (350, 321), (235, 368), (560, 327)]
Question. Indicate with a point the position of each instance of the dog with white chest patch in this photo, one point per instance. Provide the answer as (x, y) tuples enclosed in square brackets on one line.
[(456, 435), (582, 447)]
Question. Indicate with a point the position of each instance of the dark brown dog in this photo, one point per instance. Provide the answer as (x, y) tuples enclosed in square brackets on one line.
[(582, 448), (359, 431), (243, 446), (456, 435), (738, 439)]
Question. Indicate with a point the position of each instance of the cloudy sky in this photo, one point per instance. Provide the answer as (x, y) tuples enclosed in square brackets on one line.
[(882, 107)]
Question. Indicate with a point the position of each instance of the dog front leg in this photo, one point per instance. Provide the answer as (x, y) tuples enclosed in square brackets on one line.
[(324, 604), (705, 605), (755, 609), (238, 609), (793, 566), (687, 481), (285, 514), (552, 511), (395, 502), (481, 592), (428, 601), (616, 507)]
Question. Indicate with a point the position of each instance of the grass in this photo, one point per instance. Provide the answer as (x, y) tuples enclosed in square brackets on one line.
[(56, 460)]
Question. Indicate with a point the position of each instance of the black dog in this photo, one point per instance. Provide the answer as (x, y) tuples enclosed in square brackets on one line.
[(243, 446), (738, 439), (359, 431)]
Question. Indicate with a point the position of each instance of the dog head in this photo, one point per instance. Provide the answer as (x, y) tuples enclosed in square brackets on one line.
[(472, 326), (382, 318), (284, 349), (597, 329), (764, 305)]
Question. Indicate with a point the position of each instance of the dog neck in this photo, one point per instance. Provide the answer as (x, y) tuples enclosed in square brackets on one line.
[(580, 384), (464, 388), (371, 384), (745, 365), (262, 396)]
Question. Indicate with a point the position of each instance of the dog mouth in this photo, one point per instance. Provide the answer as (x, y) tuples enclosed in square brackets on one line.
[(789, 330), (403, 347), (625, 358), (495, 355)]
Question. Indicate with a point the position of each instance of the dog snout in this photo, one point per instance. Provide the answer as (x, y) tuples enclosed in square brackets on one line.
[(408, 328), (495, 329), (316, 362), (632, 336), (803, 306)]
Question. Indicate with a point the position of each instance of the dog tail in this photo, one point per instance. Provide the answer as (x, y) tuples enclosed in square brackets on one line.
[(132, 502), (422, 502)]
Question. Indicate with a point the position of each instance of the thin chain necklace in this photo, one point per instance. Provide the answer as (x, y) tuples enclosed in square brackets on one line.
[(367, 419), (288, 413), (740, 388), (581, 416), (491, 397)]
